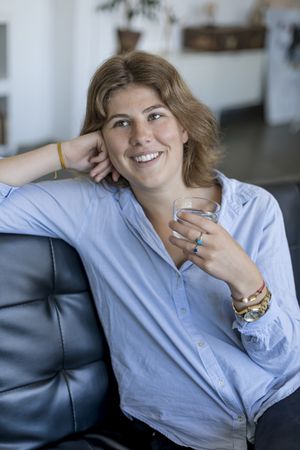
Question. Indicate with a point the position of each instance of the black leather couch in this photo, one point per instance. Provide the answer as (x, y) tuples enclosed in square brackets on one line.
[(57, 389)]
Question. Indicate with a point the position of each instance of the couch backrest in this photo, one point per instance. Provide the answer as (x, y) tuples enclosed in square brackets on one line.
[(53, 358), (288, 197), (54, 366)]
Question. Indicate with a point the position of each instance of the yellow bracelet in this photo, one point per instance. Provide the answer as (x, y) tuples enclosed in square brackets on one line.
[(61, 156), (262, 306), (252, 298)]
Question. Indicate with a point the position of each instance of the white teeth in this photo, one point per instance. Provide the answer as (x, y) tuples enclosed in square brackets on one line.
[(144, 158)]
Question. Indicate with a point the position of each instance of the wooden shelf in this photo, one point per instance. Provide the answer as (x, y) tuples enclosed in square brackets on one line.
[(223, 38)]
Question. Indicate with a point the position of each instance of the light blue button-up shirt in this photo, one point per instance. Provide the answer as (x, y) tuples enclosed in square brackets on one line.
[(185, 364)]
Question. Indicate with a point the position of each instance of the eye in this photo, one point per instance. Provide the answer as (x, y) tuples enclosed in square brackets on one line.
[(154, 116), (121, 123)]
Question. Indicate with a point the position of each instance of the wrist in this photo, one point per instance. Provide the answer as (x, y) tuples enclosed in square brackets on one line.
[(53, 157), (244, 288), (253, 312), (252, 299), (239, 306), (67, 152), (60, 159), (61, 156)]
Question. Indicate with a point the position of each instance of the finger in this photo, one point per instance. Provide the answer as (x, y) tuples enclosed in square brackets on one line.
[(189, 232), (115, 175), (196, 259), (99, 157), (100, 168), (92, 140), (100, 142), (96, 143), (100, 176), (189, 247), (205, 224)]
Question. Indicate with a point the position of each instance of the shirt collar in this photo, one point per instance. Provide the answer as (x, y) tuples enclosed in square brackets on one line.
[(235, 195)]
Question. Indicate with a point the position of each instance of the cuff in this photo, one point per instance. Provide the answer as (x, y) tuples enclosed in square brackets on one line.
[(260, 324)]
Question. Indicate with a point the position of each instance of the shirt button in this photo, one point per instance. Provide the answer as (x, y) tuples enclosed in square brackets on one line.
[(201, 344), (182, 311), (221, 382), (240, 418)]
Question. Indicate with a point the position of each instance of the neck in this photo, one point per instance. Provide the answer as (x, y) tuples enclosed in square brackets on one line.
[(158, 205)]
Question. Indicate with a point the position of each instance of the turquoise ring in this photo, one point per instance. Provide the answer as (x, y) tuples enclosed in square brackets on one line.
[(199, 242)]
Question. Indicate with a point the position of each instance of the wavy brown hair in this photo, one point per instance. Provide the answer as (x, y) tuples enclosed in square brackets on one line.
[(202, 151)]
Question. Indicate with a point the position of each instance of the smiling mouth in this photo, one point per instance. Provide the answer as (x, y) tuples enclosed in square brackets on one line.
[(147, 158)]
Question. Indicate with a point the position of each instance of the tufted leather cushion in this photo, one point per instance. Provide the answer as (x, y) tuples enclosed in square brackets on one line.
[(288, 197), (53, 361)]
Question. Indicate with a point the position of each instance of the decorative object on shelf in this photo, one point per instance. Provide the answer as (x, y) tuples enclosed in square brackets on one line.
[(223, 38), (169, 20), (209, 9), (257, 16), (127, 36)]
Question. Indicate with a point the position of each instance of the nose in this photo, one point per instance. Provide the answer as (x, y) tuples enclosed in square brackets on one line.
[(141, 133)]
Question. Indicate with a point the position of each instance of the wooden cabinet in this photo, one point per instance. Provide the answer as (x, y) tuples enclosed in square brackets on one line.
[(223, 38)]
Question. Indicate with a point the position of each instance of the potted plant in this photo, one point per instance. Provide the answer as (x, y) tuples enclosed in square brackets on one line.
[(127, 36)]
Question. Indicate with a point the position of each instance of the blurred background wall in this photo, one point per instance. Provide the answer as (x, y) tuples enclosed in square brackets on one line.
[(50, 49)]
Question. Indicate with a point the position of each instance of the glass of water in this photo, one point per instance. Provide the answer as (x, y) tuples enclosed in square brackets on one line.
[(195, 205)]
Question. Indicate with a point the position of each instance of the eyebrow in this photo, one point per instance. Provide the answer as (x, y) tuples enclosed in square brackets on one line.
[(122, 115)]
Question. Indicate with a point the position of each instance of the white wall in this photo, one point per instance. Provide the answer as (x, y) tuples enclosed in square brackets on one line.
[(56, 45), (62, 37), (95, 38), (30, 50), (188, 12)]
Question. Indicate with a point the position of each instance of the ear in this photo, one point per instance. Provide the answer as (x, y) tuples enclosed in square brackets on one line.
[(185, 136)]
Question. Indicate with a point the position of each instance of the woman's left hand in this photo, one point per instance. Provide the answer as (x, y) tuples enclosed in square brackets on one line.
[(218, 254)]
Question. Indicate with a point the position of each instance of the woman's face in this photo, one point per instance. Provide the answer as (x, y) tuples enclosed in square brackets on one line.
[(144, 139)]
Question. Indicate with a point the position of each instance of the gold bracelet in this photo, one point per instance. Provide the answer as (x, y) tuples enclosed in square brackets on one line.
[(251, 298), (254, 312), (61, 156)]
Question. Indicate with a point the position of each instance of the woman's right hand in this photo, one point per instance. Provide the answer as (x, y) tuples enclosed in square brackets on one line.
[(87, 153)]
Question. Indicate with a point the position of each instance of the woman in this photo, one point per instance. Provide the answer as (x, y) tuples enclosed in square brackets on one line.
[(203, 329)]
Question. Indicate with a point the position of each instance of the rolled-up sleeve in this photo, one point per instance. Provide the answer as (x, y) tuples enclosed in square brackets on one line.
[(273, 341), (50, 208)]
